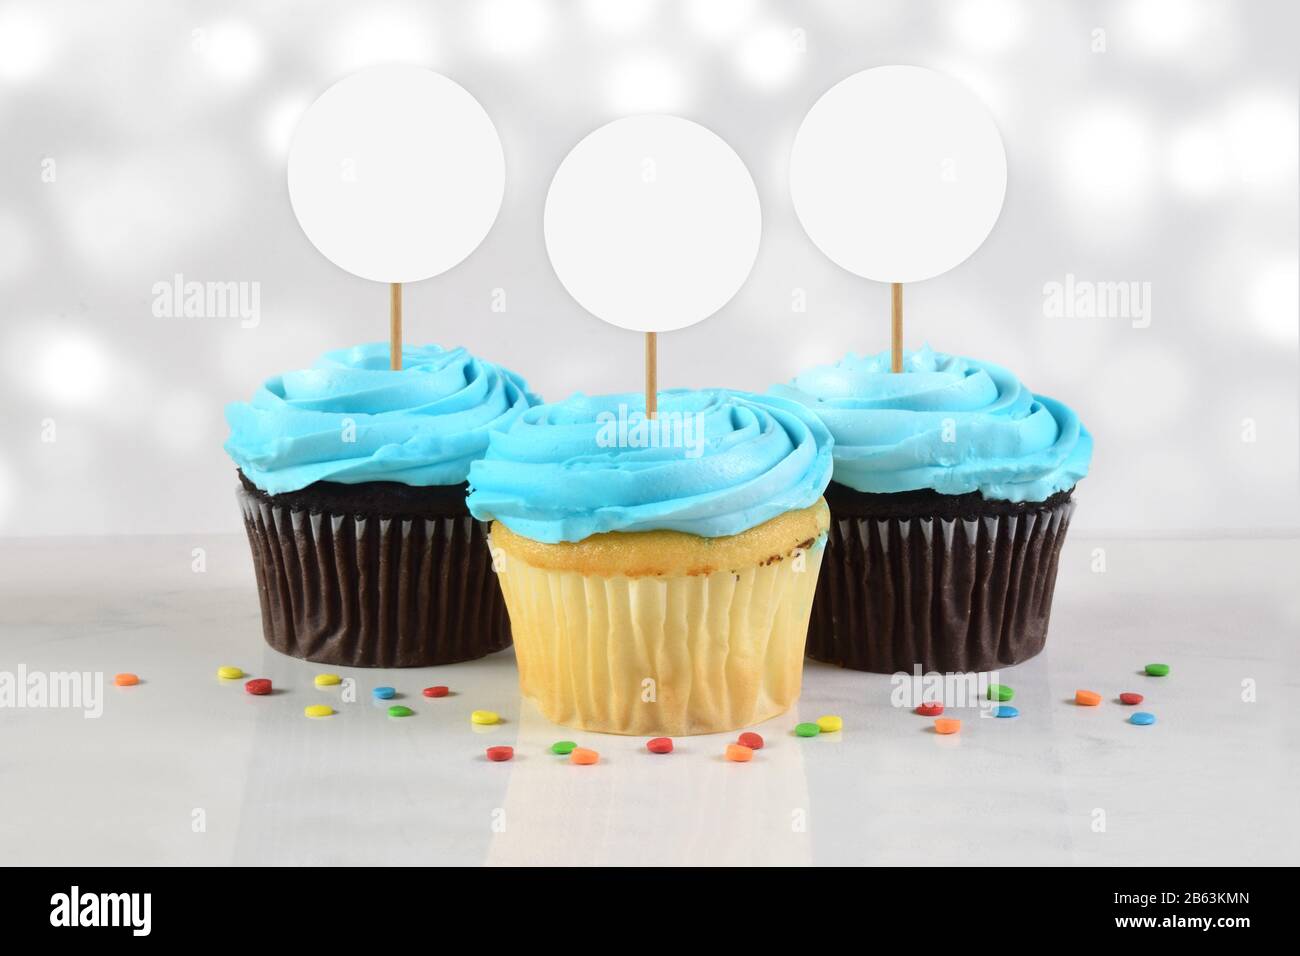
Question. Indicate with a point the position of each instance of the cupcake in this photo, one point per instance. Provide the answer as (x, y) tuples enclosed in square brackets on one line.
[(659, 573), (353, 492), (952, 493)]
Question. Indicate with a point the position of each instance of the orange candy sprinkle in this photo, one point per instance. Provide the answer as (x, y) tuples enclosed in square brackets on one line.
[(1087, 698), (581, 755), (739, 753), (126, 680), (947, 725)]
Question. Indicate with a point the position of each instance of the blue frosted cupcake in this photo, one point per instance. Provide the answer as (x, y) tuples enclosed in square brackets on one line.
[(659, 575), (952, 494), (353, 492)]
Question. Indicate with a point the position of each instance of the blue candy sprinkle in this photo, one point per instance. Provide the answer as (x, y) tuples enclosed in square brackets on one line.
[(1142, 718), (1006, 710), (384, 693)]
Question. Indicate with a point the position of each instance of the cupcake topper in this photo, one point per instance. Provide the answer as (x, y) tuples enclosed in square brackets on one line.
[(898, 174), (652, 223), (396, 174)]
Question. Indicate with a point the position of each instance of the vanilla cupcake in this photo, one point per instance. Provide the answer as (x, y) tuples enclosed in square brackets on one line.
[(353, 492), (952, 495), (659, 574)]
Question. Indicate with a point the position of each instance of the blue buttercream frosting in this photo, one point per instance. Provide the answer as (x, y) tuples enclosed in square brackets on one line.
[(947, 423), (713, 463), (350, 418)]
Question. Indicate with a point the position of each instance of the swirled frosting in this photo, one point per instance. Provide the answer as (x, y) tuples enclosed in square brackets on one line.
[(712, 463), (350, 418), (951, 424)]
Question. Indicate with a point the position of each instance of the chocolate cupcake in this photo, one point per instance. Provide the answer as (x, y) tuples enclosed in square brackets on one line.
[(952, 493), (353, 483)]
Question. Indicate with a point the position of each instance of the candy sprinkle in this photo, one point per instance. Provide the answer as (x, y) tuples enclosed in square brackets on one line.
[(947, 725), (738, 753), (125, 680), (1131, 699), (400, 710), (752, 741), (583, 756), (1000, 692), (258, 687), (485, 717), (1142, 719), (438, 691), (229, 673), (1006, 710), (500, 754), (1087, 698), (328, 680), (563, 747), (1158, 670), (830, 723), (807, 730), (318, 710), (930, 708), (384, 693), (664, 745)]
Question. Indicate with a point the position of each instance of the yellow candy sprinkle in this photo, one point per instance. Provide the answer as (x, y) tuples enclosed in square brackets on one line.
[(229, 673), (830, 723), (485, 717), (318, 710), (328, 680)]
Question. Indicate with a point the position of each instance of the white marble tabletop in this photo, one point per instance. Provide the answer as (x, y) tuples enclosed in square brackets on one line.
[(186, 769)]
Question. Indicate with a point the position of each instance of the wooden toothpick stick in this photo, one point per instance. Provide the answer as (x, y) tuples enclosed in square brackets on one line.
[(395, 326), (651, 374), (896, 328)]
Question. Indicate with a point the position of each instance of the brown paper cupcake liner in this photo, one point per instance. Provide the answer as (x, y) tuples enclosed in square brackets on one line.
[(950, 593), (374, 591)]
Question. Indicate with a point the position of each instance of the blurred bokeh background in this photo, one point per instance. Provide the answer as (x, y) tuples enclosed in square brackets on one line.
[(1148, 141)]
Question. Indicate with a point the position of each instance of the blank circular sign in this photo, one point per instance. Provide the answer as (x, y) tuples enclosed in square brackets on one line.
[(898, 173), (396, 174), (652, 223)]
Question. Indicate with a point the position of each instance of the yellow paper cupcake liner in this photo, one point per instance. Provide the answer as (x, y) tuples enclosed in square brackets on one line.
[(662, 655)]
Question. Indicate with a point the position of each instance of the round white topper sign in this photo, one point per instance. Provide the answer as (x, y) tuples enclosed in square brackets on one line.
[(652, 223), (898, 173), (396, 173)]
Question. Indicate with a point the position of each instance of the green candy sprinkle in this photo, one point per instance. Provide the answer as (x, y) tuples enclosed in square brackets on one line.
[(400, 710), (807, 730), (563, 747), (1000, 692), (1158, 670)]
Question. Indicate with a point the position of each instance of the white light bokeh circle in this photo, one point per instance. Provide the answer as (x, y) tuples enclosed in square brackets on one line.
[(646, 83), (718, 18), (24, 45), (513, 28), (652, 223), (898, 173), (1106, 153), (232, 50), (396, 174), (769, 56), (1273, 297), (377, 37), (988, 26), (618, 16)]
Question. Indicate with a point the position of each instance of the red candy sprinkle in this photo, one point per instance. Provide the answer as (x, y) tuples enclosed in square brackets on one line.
[(752, 741), (930, 709), (500, 753), (660, 745), (1130, 698), (439, 691), (259, 686)]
